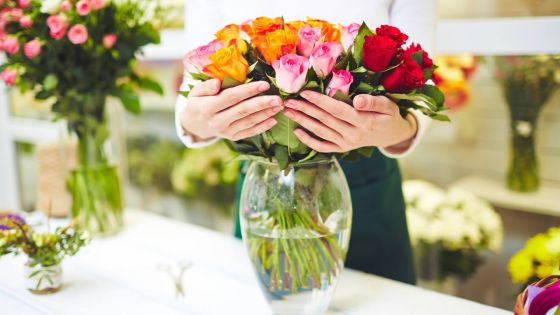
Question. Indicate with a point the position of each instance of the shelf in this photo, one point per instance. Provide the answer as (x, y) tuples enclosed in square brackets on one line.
[(545, 201)]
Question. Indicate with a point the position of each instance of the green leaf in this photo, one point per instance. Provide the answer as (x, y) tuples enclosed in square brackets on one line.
[(339, 96), (199, 76), (283, 134), (359, 70), (440, 117), (43, 95), (359, 42), (229, 83), (417, 56), (418, 99), (184, 93), (281, 155), (50, 82), (364, 88), (129, 99), (433, 92), (150, 85)]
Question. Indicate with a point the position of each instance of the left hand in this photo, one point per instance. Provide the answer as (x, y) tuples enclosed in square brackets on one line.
[(373, 121)]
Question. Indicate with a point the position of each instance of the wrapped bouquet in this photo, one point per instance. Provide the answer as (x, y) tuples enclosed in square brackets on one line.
[(340, 61)]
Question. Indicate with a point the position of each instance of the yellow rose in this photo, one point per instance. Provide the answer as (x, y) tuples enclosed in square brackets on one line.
[(228, 62), (230, 35)]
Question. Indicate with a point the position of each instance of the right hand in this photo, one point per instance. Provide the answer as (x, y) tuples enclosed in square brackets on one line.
[(235, 113)]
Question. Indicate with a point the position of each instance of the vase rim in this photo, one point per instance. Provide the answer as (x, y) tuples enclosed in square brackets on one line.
[(331, 159)]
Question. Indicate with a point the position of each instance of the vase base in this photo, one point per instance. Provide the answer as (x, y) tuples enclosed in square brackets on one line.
[(46, 291)]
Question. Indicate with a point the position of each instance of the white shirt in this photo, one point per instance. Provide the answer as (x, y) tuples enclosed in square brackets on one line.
[(416, 18)]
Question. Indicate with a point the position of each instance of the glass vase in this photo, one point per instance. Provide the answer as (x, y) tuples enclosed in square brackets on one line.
[(523, 173), (43, 279), (296, 228), (94, 182)]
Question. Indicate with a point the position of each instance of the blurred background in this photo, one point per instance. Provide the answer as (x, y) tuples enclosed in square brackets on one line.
[(499, 69)]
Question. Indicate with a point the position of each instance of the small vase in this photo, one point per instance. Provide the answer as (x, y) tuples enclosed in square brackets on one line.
[(523, 173), (94, 182), (296, 227), (43, 279)]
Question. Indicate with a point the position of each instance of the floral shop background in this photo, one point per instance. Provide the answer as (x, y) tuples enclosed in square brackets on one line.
[(462, 167)]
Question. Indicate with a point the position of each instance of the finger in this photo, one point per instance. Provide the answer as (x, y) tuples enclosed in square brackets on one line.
[(320, 115), (247, 108), (314, 126), (336, 108), (206, 88), (235, 95), (255, 130), (378, 104), (315, 144), (254, 119)]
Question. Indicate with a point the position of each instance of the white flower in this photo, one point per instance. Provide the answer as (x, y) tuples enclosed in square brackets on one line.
[(50, 6)]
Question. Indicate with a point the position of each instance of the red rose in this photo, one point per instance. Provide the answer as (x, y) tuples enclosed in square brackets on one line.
[(393, 33), (378, 52), (427, 62), (404, 78)]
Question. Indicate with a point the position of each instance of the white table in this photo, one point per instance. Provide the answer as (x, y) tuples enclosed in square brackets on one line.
[(122, 275)]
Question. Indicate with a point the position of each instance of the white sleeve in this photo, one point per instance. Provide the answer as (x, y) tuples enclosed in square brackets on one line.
[(417, 19), (203, 19)]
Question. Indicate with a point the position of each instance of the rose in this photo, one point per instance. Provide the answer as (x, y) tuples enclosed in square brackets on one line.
[(56, 24), (26, 21), (276, 44), (109, 40), (261, 26), (50, 6), (97, 4), (393, 33), (308, 37), (11, 45), (291, 72), (405, 77), (330, 32), (24, 3), (9, 76), (32, 48), (349, 33), (197, 59), (228, 62), (340, 82), (65, 6), (83, 7), (231, 35), (78, 34), (427, 62), (378, 51), (324, 58)]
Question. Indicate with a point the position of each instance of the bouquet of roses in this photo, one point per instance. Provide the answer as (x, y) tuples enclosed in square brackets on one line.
[(340, 61)]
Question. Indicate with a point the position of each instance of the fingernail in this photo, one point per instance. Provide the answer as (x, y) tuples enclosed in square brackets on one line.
[(359, 102), (264, 86), (215, 84), (272, 122), (304, 94), (289, 113), (275, 102), (277, 109)]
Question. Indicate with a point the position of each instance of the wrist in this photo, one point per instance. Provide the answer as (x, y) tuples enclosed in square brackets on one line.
[(186, 126), (411, 130)]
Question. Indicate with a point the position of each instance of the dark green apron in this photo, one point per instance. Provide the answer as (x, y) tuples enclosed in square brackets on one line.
[(379, 242)]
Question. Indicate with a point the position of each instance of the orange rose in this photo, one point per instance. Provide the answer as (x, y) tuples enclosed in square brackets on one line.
[(329, 30), (230, 35), (261, 26), (228, 62), (276, 44)]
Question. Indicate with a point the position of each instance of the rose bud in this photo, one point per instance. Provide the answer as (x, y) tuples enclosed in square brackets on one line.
[(340, 82), (78, 34), (9, 76), (349, 34), (291, 72), (324, 58), (32, 48)]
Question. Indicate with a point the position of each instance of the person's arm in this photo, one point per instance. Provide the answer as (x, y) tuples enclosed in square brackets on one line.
[(416, 18)]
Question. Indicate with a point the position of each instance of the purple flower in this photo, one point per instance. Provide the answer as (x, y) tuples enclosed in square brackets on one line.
[(545, 300), (4, 227), (8, 220)]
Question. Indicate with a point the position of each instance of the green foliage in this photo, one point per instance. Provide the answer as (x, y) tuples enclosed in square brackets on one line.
[(359, 42)]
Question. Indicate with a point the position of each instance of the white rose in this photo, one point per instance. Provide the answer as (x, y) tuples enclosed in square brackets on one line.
[(50, 6)]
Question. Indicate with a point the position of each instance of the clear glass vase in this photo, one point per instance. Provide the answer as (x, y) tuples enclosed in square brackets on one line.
[(43, 279), (296, 227), (94, 182), (523, 172)]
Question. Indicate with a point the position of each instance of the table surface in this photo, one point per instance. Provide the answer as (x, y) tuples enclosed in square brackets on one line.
[(125, 274)]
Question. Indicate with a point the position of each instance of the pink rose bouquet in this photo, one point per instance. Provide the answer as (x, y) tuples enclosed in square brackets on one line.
[(341, 61)]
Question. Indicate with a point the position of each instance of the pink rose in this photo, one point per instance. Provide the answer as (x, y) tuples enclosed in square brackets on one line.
[(56, 23), (291, 72), (197, 59), (78, 34), (109, 40), (32, 49), (24, 3), (307, 38), (340, 81), (83, 7), (97, 4), (9, 76), (349, 34), (324, 58), (26, 21), (11, 45), (65, 6)]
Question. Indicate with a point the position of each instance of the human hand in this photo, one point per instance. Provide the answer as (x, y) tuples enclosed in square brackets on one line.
[(373, 121), (235, 113)]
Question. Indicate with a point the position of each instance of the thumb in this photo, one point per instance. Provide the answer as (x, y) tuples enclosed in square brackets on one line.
[(369, 103), (206, 88)]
